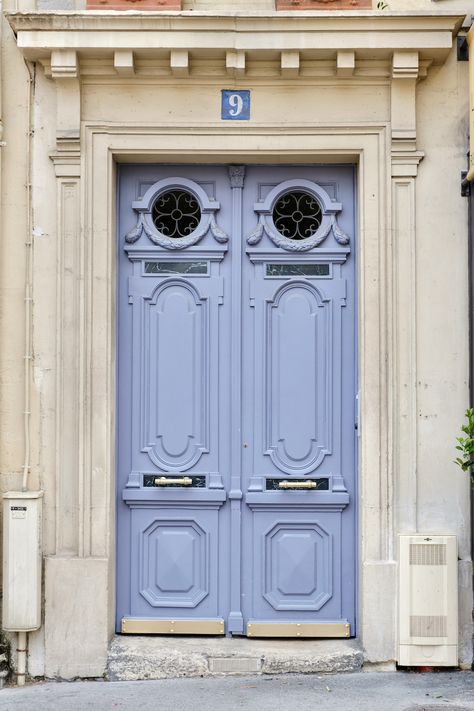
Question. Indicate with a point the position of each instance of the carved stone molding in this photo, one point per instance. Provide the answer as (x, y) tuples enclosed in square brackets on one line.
[(375, 36), (237, 176), (235, 63), (405, 74), (179, 62), (64, 64), (405, 163), (290, 64), (69, 473), (67, 161), (124, 63), (345, 64), (405, 335)]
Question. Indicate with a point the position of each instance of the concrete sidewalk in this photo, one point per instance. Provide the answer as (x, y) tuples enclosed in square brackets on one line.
[(360, 691)]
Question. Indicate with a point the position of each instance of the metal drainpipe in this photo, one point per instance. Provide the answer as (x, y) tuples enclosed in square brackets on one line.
[(470, 228), (22, 645), (28, 280), (467, 189), (470, 222), (21, 671)]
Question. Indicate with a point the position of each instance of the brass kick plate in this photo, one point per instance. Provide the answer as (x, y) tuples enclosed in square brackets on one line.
[(298, 629), (132, 625)]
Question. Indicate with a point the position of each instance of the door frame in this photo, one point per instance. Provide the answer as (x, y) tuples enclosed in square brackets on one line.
[(366, 146)]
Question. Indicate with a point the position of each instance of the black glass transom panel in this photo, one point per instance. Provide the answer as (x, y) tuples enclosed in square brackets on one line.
[(176, 268), (176, 213), (297, 215), (285, 270)]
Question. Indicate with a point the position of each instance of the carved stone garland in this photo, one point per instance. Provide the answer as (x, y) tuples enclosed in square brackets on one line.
[(329, 210), (145, 224)]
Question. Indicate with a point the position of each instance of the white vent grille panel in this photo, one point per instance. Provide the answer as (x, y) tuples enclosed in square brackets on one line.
[(427, 554), (428, 626), (428, 602)]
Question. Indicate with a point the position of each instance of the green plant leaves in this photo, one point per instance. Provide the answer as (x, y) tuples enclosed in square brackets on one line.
[(466, 445)]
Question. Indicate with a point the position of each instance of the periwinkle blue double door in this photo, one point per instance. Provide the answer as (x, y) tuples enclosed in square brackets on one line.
[(236, 400)]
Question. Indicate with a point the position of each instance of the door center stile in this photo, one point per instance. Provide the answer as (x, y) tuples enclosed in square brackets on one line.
[(235, 620)]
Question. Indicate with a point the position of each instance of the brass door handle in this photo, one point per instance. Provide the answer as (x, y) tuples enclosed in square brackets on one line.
[(297, 484), (168, 481)]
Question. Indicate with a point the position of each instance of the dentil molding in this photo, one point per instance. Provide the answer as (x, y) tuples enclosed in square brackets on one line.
[(236, 40)]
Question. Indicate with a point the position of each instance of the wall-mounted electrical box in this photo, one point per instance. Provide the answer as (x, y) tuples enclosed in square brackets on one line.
[(22, 560), (428, 601)]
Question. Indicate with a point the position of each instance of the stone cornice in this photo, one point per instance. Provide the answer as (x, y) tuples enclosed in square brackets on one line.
[(315, 35)]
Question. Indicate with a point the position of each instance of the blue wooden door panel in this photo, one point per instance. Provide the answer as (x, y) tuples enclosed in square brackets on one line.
[(298, 398), (236, 390), (172, 399), (297, 565), (174, 562)]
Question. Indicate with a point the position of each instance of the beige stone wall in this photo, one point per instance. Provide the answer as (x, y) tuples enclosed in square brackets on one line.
[(415, 337), (12, 260), (442, 343)]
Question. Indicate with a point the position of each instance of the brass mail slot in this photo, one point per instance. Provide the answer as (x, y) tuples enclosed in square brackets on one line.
[(132, 625), (175, 481), (298, 629), (297, 484)]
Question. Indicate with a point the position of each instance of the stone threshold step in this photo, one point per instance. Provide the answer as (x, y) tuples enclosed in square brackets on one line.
[(133, 658)]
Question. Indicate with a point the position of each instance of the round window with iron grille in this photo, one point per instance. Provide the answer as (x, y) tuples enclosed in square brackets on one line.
[(176, 213), (297, 215)]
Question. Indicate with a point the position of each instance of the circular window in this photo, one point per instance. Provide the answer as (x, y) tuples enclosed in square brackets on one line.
[(297, 215), (176, 213)]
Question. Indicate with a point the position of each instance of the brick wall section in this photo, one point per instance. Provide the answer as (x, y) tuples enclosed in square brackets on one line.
[(167, 5), (323, 4), (152, 5)]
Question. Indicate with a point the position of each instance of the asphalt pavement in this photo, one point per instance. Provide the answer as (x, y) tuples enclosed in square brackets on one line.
[(360, 691)]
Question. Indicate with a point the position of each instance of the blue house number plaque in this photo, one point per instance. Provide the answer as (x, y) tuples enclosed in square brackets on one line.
[(235, 105)]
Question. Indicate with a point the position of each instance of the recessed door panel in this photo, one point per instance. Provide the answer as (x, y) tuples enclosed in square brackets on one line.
[(297, 343), (236, 400), (174, 562), (175, 331)]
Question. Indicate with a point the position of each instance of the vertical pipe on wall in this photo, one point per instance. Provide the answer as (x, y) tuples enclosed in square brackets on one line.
[(28, 281), (470, 237), (470, 232), (22, 636), (21, 662)]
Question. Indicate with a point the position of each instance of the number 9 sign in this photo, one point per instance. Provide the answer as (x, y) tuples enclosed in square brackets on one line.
[(235, 105)]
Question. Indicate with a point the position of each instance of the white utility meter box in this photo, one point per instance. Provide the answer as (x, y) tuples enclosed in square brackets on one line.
[(428, 628), (22, 555)]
